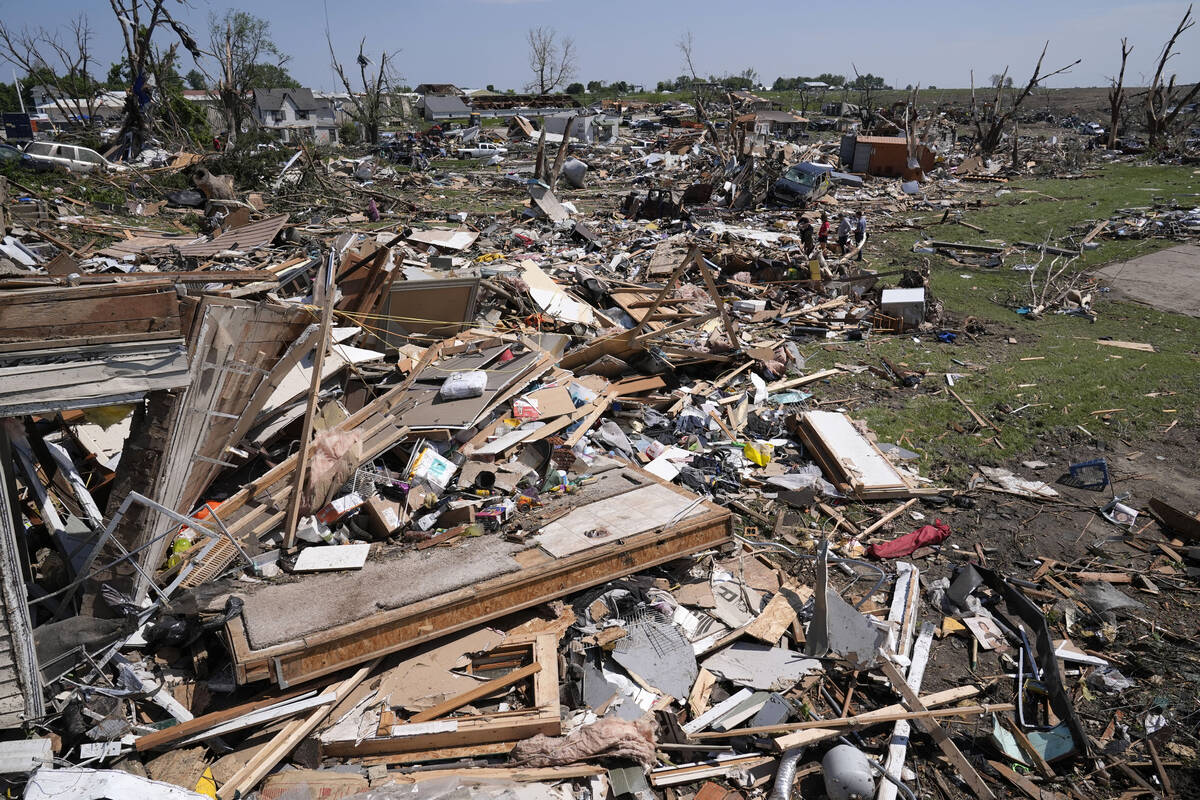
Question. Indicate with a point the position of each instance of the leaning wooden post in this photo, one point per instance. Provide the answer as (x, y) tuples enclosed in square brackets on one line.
[(325, 300)]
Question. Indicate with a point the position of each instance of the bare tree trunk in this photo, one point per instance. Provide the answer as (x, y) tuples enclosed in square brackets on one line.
[(539, 164), (560, 157), (1116, 96), (1162, 104), (990, 138)]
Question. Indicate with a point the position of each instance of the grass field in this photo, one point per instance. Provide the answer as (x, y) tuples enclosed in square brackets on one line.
[(1067, 376)]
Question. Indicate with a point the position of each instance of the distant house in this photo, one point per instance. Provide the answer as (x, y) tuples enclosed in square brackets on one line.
[(774, 123), (295, 114), (107, 107), (435, 107)]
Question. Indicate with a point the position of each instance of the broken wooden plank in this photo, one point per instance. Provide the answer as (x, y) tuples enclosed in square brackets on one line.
[(288, 738), (931, 727), (483, 690), (181, 731)]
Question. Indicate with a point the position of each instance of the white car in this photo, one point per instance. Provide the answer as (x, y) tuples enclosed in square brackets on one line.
[(73, 157), (482, 150)]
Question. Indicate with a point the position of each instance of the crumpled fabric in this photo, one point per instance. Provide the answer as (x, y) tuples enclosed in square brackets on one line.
[(609, 737), (336, 455), (924, 536)]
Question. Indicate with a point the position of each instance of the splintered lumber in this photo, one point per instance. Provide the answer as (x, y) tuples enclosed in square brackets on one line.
[(310, 652), (310, 408), (931, 727), (482, 690), (981, 421), (543, 716), (888, 517), (838, 725), (177, 733), (1142, 346), (288, 738), (520, 775), (919, 659), (719, 767), (779, 386), (817, 730)]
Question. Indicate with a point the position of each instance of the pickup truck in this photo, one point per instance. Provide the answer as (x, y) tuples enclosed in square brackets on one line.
[(482, 150)]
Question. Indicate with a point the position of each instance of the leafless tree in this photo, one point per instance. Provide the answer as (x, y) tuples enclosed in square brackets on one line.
[(139, 20), (552, 60), (1116, 96), (989, 138), (866, 100), (686, 45), (67, 75), (240, 42), (1165, 101), (367, 107)]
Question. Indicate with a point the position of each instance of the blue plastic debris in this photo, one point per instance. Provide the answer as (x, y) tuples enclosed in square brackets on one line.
[(1090, 474)]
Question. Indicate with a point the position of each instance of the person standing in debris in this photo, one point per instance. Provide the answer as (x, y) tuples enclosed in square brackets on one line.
[(860, 234), (806, 236), (823, 233), (843, 234)]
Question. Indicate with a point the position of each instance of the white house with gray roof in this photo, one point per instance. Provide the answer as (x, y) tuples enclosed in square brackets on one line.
[(295, 113)]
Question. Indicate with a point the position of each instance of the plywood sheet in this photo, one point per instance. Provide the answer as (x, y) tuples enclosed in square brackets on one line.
[(624, 515)]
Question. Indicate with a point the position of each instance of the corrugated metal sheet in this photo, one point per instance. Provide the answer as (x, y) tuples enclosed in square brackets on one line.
[(249, 237)]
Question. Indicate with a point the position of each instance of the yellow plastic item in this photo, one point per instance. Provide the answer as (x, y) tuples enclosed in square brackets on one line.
[(107, 416), (180, 545), (814, 270), (759, 452), (207, 785)]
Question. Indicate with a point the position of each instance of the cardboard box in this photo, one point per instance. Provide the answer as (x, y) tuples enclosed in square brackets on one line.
[(384, 517)]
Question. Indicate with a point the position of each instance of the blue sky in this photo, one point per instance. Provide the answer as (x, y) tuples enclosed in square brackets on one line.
[(475, 42)]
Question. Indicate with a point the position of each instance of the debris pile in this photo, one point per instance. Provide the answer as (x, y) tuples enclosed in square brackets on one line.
[(345, 494)]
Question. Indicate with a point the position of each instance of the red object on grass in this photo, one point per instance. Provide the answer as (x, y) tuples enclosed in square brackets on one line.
[(924, 536)]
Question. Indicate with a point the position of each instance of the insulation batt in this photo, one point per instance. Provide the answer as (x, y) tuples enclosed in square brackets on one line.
[(607, 738), (335, 456)]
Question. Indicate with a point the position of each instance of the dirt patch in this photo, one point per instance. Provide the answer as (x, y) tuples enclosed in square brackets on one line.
[(1168, 280)]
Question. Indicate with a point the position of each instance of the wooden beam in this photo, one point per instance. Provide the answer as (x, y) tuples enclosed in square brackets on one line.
[(726, 320), (288, 738), (931, 727), (314, 389), (888, 517), (482, 690), (183, 730), (889, 713), (662, 293)]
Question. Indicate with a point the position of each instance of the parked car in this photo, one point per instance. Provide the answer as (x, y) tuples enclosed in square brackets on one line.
[(1091, 129), (73, 157), (9, 154), (802, 184), (482, 150)]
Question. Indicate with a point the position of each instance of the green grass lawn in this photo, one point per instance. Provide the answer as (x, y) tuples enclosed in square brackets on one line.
[(1068, 375)]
